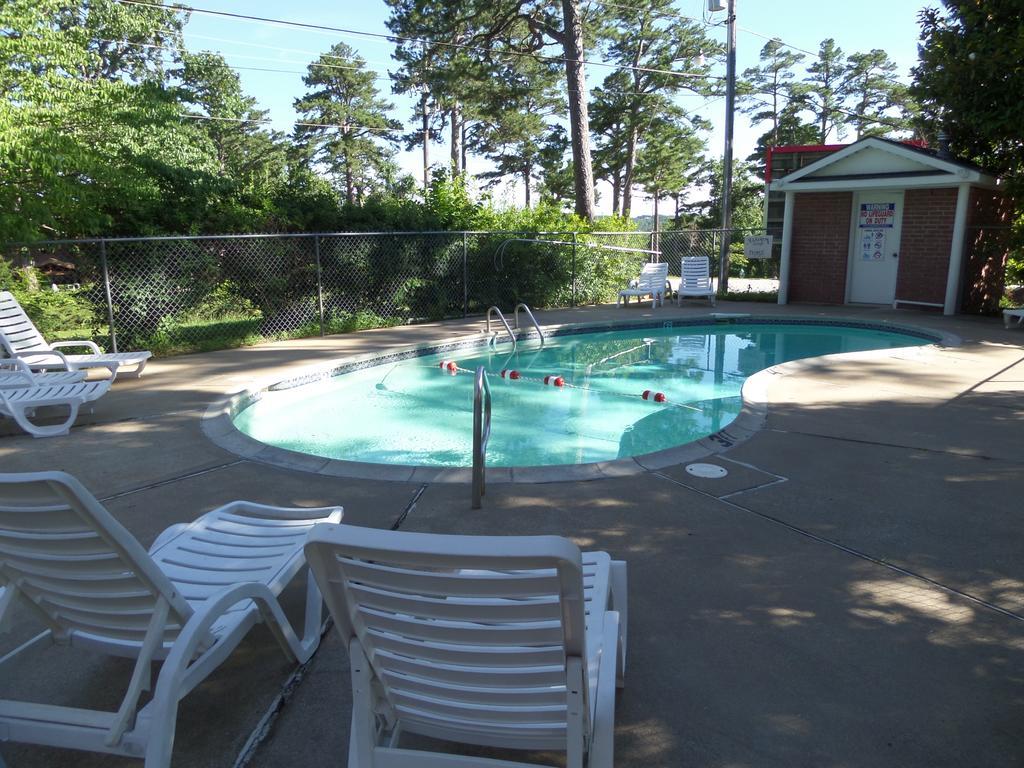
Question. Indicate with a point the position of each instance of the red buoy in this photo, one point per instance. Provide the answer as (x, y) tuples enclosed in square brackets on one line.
[(646, 394), (659, 397), (443, 364), (559, 381), (513, 374), (452, 366), (554, 381)]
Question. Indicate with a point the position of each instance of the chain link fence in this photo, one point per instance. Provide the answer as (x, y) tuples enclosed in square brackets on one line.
[(187, 294)]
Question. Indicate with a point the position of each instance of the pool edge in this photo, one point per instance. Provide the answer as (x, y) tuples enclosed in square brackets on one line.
[(218, 426)]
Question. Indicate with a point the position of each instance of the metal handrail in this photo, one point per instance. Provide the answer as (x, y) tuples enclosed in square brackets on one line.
[(512, 336), (533, 320), (481, 433)]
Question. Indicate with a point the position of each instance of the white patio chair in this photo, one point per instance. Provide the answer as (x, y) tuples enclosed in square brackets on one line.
[(1009, 314), (19, 337), (20, 402), (653, 282), (189, 601), (695, 279), (506, 642)]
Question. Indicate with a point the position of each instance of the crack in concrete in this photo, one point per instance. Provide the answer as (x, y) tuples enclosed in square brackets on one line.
[(851, 551)]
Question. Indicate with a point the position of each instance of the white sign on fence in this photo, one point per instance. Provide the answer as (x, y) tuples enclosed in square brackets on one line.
[(757, 246)]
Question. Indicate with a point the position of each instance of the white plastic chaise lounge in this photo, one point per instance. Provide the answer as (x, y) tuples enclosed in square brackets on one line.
[(497, 641), (19, 337), (189, 602), (653, 282), (1009, 314), (695, 279), (22, 391)]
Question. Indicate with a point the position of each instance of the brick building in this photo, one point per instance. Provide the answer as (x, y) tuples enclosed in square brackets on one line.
[(882, 222)]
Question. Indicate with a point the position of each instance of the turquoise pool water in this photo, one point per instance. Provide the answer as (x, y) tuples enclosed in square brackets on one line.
[(412, 412)]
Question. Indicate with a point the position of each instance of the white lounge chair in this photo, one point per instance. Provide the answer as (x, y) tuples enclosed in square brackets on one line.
[(21, 402), (1009, 314), (653, 282), (695, 279), (505, 642), (189, 601), (15, 373), (19, 337)]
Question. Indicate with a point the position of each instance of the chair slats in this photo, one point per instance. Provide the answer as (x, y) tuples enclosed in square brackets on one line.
[(545, 608), (494, 715), (524, 696), (464, 633), (487, 676), (453, 583), (484, 656)]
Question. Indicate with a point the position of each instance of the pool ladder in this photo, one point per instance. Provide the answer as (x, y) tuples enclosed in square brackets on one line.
[(481, 433), (508, 329)]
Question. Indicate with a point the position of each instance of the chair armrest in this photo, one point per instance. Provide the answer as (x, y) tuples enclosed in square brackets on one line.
[(90, 344), (59, 356), (253, 509)]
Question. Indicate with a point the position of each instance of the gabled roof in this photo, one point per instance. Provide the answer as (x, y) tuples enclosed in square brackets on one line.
[(875, 162)]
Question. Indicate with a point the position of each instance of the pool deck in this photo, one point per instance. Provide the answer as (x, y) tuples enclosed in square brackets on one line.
[(850, 594)]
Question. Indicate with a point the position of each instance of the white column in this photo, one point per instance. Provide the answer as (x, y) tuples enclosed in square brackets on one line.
[(787, 244), (956, 251)]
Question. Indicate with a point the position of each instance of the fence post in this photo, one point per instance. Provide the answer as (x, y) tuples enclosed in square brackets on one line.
[(465, 275), (319, 281), (106, 291), (574, 269)]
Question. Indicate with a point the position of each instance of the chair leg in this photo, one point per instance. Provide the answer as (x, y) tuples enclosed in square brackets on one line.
[(19, 413), (620, 604)]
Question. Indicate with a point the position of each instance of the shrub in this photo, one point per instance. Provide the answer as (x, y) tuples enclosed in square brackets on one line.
[(55, 313)]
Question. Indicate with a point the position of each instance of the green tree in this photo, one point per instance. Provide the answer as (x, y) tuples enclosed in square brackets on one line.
[(346, 125), (669, 160), (968, 82), (822, 93), (767, 90), (872, 89), (652, 45), (495, 29), (513, 124)]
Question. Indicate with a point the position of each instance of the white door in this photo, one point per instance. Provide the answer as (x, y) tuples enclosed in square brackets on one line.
[(875, 247)]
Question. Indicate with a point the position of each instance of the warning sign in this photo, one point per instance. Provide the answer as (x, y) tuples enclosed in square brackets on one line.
[(875, 215)]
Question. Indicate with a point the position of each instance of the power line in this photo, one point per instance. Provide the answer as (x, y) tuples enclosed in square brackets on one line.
[(778, 40), (417, 40), (393, 38)]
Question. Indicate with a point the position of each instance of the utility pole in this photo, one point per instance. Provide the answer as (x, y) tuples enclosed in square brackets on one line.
[(730, 109)]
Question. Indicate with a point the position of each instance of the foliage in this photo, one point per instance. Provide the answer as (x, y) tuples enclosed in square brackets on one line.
[(968, 82), (51, 311)]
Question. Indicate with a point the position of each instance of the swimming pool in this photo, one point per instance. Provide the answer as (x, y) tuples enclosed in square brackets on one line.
[(413, 411)]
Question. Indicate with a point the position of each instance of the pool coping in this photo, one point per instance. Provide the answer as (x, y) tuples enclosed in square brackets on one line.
[(218, 426)]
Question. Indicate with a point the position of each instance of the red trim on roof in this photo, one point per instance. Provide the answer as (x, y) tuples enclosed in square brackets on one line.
[(808, 148)]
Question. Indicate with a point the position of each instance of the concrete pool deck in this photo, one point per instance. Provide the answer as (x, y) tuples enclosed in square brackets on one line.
[(852, 593)]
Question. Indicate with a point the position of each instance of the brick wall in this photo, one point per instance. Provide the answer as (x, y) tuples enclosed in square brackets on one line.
[(820, 247), (925, 242), (988, 244)]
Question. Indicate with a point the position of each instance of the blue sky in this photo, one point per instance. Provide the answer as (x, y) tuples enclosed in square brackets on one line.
[(856, 27)]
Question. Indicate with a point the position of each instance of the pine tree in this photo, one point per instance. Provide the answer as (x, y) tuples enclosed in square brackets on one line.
[(353, 137), (658, 52), (822, 90), (767, 89), (871, 88)]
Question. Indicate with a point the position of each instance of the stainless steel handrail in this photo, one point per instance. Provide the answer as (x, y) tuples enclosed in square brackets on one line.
[(533, 320), (481, 433), (495, 310)]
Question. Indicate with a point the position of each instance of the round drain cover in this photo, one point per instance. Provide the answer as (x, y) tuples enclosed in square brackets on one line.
[(712, 471)]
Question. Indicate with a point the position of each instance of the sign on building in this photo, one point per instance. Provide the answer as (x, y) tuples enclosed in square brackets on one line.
[(757, 246), (874, 220)]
